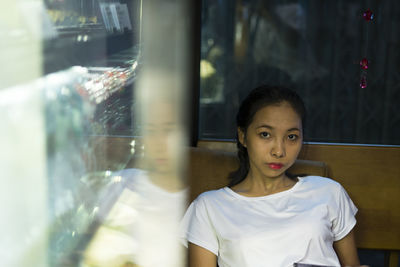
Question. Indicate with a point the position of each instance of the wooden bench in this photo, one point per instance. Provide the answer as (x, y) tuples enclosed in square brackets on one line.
[(209, 169), (370, 174)]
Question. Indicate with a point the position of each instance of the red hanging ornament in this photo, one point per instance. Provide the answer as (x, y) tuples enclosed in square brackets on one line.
[(368, 15), (364, 63), (363, 82)]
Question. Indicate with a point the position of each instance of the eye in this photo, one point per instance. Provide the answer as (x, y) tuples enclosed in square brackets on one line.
[(293, 137), (264, 134)]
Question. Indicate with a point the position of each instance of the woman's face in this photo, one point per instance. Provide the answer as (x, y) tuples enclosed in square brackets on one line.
[(273, 140), (161, 138)]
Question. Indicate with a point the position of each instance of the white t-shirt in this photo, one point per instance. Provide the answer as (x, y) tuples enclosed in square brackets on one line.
[(298, 225), (141, 227)]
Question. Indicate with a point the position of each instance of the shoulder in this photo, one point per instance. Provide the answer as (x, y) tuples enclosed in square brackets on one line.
[(210, 198), (211, 195), (320, 183), (319, 180), (325, 190)]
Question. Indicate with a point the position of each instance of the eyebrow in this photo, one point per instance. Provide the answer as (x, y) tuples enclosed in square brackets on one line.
[(270, 127)]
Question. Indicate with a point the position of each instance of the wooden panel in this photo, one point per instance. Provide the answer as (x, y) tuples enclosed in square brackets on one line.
[(371, 176), (218, 145), (393, 259), (209, 169)]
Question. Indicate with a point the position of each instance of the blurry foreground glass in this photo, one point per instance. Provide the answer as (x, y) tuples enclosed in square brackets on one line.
[(92, 157), (143, 223)]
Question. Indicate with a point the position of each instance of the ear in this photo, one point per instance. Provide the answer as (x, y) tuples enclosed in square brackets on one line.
[(241, 136)]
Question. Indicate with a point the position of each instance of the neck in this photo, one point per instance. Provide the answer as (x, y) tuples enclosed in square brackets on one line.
[(256, 185)]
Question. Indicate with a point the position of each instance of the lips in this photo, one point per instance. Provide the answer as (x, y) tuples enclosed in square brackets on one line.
[(275, 166)]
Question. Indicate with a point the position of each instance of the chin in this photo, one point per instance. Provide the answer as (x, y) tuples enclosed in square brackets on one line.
[(274, 174)]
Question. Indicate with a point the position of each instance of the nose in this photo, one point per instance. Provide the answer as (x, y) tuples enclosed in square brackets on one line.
[(278, 149)]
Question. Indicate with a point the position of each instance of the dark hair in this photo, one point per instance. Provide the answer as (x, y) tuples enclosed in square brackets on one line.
[(258, 98)]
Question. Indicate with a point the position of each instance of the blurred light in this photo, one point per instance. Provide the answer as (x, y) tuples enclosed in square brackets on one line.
[(117, 179), (134, 65), (133, 142), (95, 210), (206, 69)]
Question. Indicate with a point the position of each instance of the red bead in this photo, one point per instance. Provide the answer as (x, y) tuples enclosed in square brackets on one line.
[(368, 15), (363, 82), (364, 63)]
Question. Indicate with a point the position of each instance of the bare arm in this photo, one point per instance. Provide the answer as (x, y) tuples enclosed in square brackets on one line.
[(346, 250), (201, 257)]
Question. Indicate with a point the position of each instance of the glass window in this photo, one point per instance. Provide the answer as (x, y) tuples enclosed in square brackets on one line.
[(103, 38), (314, 47), (91, 98)]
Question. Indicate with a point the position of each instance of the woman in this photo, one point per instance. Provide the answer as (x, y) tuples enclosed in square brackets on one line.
[(144, 220), (266, 217)]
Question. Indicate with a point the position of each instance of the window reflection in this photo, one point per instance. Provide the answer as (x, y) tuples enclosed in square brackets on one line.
[(314, 47), (151, 193), (94, 175)]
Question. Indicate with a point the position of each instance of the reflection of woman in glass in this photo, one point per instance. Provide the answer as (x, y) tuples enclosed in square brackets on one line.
[(267, 217), (142, 227)]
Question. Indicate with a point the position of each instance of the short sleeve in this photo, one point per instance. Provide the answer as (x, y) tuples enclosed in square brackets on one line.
[(197, 227), (344, 218)]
